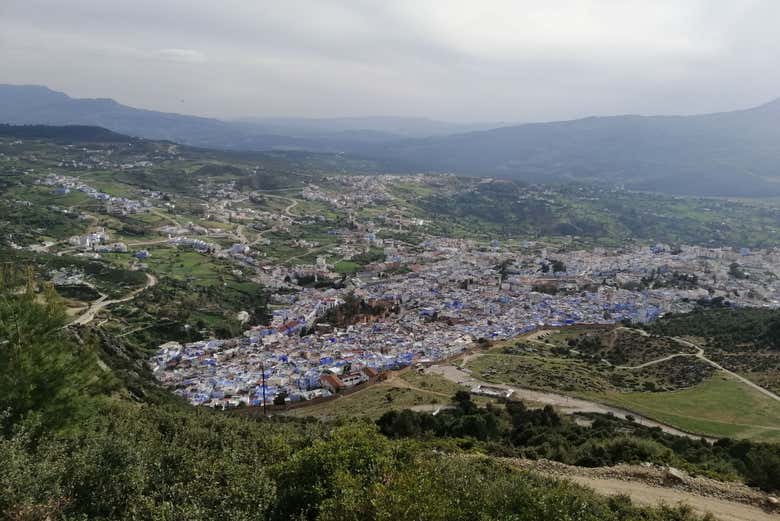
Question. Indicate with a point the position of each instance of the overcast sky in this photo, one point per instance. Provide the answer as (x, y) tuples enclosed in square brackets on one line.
[(461, 60)]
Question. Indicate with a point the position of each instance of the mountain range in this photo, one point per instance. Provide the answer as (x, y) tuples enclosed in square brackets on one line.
[(729, 153), (32, 104), (724, 154)]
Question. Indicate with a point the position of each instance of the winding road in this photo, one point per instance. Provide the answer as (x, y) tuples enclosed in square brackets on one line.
[(565, 404), (101, 303), (716, 365), (701, 356), (570, 405), (288, 209)]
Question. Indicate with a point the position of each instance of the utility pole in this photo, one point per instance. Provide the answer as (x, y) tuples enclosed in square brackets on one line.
[(265, 406)]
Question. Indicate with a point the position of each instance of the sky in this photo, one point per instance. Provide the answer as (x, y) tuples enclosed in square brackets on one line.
[(456, 60)]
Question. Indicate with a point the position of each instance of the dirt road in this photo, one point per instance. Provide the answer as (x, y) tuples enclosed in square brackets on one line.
[(646, 495), (700, 354), (703, 357), (564, 404), (650, 486), (716, 365), (287, 209), (103, 302)]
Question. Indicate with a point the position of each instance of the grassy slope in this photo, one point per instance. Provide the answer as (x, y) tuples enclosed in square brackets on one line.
[(406, 390), (721, 406)]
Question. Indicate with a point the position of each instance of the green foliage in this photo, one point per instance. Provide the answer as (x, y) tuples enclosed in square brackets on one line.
[(725, 328), (41, 367), (764, 467), (369, 257), (148, 463), (541, 433), (593, 213)]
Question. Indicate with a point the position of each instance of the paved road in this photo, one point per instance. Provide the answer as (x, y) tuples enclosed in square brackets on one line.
[(565, 404), (101, 303)]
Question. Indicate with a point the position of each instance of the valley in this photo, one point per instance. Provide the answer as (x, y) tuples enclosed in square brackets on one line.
[(270, 286), (389, 261)]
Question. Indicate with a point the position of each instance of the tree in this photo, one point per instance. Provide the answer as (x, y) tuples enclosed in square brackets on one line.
[(558, 266), (280, 398)]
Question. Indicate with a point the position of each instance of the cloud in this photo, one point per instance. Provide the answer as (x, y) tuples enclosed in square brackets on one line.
[(508, 60), (181, 55)]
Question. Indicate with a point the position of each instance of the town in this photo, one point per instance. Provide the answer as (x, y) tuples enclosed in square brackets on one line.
[(455, 294)]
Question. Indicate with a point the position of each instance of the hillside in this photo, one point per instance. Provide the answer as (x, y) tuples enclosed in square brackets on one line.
[(81, 329), (730, 153), (68, 133), (38, 105)]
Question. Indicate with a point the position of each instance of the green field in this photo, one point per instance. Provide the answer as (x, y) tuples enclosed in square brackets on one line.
[(537, 372), (346, 267), (721, 406)]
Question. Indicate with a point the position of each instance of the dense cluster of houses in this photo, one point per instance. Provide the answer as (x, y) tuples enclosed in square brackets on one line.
[(454, 294)]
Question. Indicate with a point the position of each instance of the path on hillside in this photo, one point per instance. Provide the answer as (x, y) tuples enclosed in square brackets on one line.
[(307, 252), (565, 404), (658, 361), (716, 365), (650, 486), (653, 496), (700, 354), (703, 357), (398, 382), (288, 209), (101, 303)]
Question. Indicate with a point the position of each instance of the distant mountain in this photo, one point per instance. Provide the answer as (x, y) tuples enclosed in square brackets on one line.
[(25, 104), (724, 154), (30, 104), (384, 127), (730, 153), (68, 133)]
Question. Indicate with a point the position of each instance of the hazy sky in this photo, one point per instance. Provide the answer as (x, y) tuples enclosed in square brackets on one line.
[(467, 60)]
